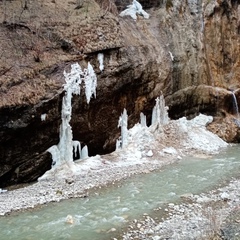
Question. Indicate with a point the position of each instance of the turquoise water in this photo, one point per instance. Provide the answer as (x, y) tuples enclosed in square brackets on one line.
[(96, 217)]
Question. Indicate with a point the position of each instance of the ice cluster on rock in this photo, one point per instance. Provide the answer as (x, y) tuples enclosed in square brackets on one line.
[(160, 112), (133, 10), (100, 60), (63, 152), (3, 190), (123, 124)]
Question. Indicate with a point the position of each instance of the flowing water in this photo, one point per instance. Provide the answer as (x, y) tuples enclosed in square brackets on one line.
[(235, 104), (94, 217)]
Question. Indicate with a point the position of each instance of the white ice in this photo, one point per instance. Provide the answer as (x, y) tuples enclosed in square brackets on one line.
[(150, 144), (134, 9), (100, 60)]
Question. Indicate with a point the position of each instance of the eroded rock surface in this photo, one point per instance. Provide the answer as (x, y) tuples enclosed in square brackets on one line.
[(189, 50)]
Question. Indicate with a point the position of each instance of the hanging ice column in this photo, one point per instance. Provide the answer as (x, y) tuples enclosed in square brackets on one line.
[(63, 152), (143, 120), (123, 122), (160, 112)]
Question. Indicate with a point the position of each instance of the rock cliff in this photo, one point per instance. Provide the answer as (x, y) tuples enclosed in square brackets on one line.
[(189, 50)]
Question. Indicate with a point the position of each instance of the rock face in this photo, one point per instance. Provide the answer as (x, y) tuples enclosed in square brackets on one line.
[(189, 50)]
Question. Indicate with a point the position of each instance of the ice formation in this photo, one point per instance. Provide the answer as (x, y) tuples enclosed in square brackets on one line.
[(3, 190), (84, 152), (100, 60), (171, 55), (123, 122), (139, 144), (43, 117), (63, 152), (195, 135), (56, 158), (76, 149), (143, 120), (133, 10), (90, 80), (160, 112), (159, 117)]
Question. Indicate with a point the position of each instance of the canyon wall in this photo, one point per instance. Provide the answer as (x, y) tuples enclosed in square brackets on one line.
[(188, 50)]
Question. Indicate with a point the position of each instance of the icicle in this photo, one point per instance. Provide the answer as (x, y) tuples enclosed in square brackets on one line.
[(118, 143), (84, 152), (73, 79), (63, 152), (100, 60), (90, 83), (160, 112), (122, 122), (154, 116), (55, 155), (143, 120), (43, 117), (76, 148)]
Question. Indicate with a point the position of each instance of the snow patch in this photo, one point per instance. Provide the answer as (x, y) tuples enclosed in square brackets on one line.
[(133, 10), (170, 150), (100, 60), (197, 136), (2, 190)]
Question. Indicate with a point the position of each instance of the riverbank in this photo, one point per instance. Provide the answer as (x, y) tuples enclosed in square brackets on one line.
[(149, 148), (213, 215), (81, 185)]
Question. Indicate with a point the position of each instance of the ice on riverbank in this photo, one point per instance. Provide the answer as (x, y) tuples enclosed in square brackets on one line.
[(182, 136), (148, 148), (197, 136), (2, 190)]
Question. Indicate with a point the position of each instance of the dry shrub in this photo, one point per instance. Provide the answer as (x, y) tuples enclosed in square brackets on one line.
[(108, 6), (213, 231)]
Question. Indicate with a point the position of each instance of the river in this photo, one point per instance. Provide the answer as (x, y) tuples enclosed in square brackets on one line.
[(106, 210)]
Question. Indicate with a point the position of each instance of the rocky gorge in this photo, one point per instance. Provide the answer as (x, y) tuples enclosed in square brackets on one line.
[(188, 50)]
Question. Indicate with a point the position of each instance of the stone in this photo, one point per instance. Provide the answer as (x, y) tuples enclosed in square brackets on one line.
[(149, 153)]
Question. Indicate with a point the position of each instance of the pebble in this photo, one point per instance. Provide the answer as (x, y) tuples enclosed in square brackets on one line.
[(194, 219), (56, 190)]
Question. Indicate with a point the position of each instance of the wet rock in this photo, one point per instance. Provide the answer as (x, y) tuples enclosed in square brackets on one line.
[(226, 127)]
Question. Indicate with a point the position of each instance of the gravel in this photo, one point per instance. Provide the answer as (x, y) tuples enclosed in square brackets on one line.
[(204, 216), (77, 186), (199, 217)]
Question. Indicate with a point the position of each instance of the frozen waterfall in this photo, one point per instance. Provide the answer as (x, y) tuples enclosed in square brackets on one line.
[(63, 152)]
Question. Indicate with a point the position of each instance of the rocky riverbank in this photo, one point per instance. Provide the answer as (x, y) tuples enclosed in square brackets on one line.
[(81, 185), (148, 148), (213, 215)]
